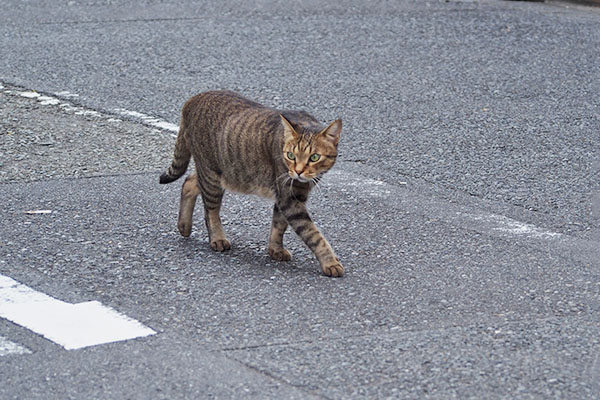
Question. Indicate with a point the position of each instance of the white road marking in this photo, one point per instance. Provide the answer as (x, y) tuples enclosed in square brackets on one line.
[(54, 101), (66, 94), (509, 225), (373, 187), (148, 120), (72, 326), (503, 224), (28, 94), (65, 105), (355, 184), (48, 100), (7, 347)]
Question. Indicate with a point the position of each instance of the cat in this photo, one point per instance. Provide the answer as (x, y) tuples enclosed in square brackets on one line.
[(246, 147)]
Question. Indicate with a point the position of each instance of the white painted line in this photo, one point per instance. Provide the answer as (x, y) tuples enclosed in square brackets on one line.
[(55, 101), (66, 94), (355, 184), (72, 326), (148, 120), (372, 187), (7, 347), (29, 94), (83, 111), (48, 101), (512, 226)]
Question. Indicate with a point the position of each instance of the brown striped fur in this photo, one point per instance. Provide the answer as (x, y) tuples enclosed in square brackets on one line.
[(243, 146)]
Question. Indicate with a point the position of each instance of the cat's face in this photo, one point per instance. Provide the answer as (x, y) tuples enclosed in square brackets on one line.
[(309, 156)]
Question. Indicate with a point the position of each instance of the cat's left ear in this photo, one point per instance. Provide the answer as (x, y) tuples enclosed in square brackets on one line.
[(333, 132)]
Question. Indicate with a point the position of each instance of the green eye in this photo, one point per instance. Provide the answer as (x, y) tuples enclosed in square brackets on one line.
[(315, 157), (291, 155)]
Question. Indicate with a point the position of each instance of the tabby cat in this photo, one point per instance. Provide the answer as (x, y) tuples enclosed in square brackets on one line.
[(243, 146)]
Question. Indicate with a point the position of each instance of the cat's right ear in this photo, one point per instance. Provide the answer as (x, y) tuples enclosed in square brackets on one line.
[(289, 133)]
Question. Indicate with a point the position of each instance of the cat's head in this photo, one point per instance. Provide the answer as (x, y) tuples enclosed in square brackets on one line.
[(310, 154)]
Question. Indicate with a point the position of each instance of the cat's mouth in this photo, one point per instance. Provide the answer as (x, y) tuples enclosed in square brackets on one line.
[(299, 178)]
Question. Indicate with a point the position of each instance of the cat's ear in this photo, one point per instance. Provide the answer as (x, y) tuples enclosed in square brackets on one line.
[(333, 132), (289, 133)]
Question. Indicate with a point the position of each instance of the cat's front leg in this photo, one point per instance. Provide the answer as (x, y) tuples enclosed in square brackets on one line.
[(297, 216), (278, 227)]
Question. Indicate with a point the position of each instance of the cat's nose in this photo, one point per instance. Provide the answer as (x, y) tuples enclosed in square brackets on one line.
[(299, 170)]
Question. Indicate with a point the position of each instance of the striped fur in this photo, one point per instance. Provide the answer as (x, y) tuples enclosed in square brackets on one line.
[(243, 146)]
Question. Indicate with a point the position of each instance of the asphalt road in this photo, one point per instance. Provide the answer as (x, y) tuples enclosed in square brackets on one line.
[(464, 206)]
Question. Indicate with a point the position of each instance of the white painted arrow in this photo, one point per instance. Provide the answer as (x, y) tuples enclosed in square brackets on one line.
[(72, 326)]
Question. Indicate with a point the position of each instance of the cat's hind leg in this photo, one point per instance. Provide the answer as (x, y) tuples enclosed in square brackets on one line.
[(278, 227), (212, 196), (189, 193)]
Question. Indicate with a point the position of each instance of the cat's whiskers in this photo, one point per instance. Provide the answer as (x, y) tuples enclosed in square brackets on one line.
[(316, 180), (284, 175), (292, 188)]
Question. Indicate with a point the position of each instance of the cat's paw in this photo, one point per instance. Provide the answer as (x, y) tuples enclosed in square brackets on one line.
[(280, 254), (220, 245), (334, 269), (185, 228)]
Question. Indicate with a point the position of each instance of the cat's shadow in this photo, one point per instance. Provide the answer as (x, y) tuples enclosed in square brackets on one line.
[(247, 255)]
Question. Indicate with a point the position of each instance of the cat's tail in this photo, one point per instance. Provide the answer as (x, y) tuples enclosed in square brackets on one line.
[(181, 159)]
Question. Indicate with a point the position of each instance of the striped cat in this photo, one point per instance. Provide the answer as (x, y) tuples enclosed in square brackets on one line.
[(243, 146)]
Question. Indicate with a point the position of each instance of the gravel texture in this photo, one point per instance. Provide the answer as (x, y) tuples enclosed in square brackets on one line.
[(464, 206)]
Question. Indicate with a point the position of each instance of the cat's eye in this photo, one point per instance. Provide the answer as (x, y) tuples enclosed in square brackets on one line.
[(291, 155), (315, 157)]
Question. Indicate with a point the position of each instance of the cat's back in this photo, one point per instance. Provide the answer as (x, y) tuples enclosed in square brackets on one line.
[(218, 105), (219, 118), (236, 138), (218, 108)]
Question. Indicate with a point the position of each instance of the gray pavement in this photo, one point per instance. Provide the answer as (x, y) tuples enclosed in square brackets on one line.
[(462, 206)]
